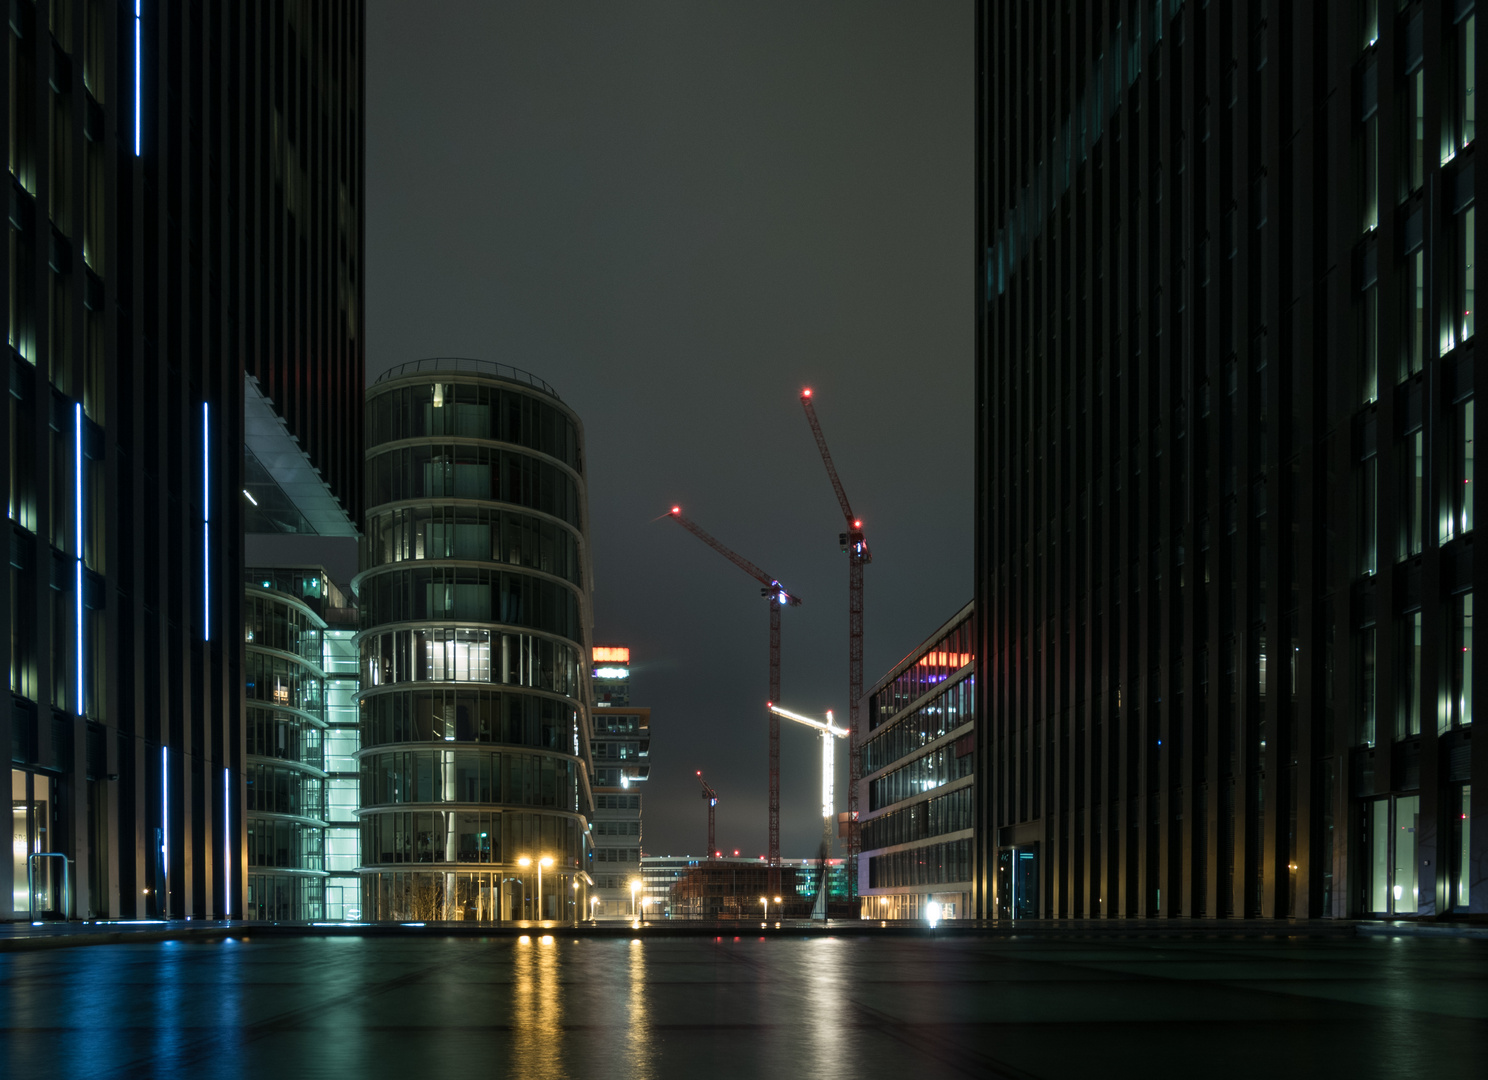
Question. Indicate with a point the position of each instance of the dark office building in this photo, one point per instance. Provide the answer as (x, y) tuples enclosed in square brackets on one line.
[(185, 223), (1226, 388)]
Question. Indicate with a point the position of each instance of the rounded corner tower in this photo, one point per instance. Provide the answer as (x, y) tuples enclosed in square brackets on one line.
[(474, 646)]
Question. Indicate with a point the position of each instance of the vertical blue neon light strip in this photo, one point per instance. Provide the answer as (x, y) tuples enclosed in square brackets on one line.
[(138, 105), (206, 530), (77, 514), (227, 843), (165, 825)]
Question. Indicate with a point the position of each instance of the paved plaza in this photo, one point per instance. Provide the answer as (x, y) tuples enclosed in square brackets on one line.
[(823, 1007)]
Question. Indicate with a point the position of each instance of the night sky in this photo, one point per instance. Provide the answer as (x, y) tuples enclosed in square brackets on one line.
[(679, 214)]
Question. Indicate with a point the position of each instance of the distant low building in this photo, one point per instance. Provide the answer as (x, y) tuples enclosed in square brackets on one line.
[(693, 887)]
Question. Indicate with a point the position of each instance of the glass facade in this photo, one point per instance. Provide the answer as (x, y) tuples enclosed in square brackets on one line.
[(918, 767), (343, 842), (284, 777), (475, 796)]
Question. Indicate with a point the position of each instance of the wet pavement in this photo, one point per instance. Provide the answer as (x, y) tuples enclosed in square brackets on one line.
[(820, 1007)]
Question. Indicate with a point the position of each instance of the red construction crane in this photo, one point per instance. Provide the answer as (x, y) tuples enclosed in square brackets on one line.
[(712, 797), (855, 546), (778, 598)]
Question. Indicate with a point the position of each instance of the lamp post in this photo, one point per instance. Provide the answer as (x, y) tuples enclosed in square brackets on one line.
[(576, 903), (635, 886), (525, 862), (765, 912), (546, 860), (593, 902)]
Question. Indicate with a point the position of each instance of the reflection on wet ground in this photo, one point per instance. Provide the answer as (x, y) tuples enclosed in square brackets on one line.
[(556, 1006)]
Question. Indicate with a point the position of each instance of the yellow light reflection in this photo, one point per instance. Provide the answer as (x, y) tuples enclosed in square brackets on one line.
[(537, 1014), (638, 1029)]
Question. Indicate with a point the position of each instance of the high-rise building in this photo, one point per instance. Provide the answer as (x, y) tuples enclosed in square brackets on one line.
[(185, 224), (1225, 441), (621, 741), (476, 617), (918, 786)]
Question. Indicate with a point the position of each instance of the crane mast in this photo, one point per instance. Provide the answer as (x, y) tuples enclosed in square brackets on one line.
[(712, 797), (777, 596), (855, 546)]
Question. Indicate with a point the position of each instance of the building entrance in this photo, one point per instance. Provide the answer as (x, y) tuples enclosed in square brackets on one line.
[(1390, 867), (1017, 882)]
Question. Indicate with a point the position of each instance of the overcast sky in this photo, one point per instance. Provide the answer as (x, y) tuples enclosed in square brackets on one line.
[(679, 214)]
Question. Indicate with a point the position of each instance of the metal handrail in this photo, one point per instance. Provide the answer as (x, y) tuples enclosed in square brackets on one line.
[(31, 882), (468, 365)]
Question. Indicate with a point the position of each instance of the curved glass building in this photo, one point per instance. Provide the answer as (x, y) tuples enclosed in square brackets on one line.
[(474, 646)]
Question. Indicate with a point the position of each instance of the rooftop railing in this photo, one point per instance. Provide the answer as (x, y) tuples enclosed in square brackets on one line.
[(457, 365)]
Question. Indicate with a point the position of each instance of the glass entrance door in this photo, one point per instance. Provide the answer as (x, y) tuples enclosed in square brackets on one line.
[(1391, 867), (1017, 882), (30, 820)]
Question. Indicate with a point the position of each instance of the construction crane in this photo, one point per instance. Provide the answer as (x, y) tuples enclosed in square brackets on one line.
[(712, 797), (829, 731), (855, 546), (778, 598)]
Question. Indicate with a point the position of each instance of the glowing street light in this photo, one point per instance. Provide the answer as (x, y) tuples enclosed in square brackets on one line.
[(635, 886)]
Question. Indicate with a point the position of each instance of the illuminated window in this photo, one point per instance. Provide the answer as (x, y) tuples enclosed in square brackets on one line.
[(1366, 727), (1411, 460), (1408, 678), (1466, 107), (1455, 710), (1413, 128), (1413, 312)]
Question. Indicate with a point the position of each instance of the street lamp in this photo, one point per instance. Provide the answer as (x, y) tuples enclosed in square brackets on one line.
[(765, 913), (576, 903), (525, 862), (593, 902), (635, 886)]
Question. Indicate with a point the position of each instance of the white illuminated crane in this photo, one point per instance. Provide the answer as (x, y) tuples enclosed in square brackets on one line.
[(829, 815)]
